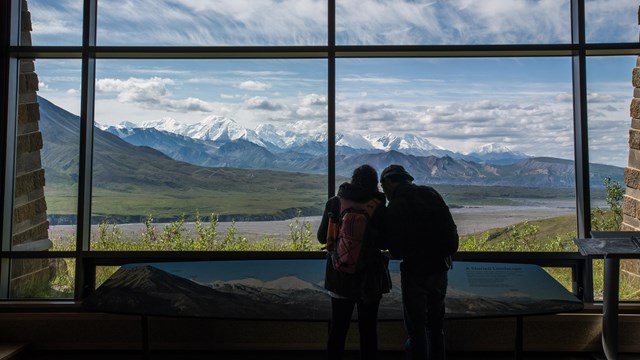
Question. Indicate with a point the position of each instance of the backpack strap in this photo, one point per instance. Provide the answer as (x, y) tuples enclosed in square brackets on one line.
[(369, 207)]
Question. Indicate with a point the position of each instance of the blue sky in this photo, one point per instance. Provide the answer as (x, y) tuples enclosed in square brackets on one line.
[(458, 104)]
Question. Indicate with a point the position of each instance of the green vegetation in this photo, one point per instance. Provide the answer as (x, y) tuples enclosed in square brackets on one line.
[(173, 237), (231, 193), (548, 235), (556, 234)]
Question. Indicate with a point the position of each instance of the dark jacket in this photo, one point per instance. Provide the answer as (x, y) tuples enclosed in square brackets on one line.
[(412, 234), (373, 280)]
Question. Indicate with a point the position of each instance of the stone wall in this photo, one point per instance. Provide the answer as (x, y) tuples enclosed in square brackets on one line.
[(631, 202), (30, 225)]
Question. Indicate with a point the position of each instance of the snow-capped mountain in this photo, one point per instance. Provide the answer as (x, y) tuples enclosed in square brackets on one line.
[(296, 136), (408, 144), (165, 124), (220, 141), (496, 154), (218, 128)]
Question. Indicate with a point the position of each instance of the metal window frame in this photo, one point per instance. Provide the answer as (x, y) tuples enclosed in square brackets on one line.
[(88, 52)]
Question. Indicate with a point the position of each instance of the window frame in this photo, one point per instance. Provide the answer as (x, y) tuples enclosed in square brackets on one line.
[(86, 261)]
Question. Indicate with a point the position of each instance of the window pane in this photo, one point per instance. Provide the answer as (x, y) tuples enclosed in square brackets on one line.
[(212, 23), (46, 182), (611, 21), (178, 141), (610, 91), (494, 136), (42, 278), (53, 22), (426, 22)]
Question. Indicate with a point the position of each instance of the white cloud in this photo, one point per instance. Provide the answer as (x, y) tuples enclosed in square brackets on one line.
[(262, 103), (524, 126), (599, 98), (222, 22), (313, 100), (303, 22), (150, 93), (253, 85), (378, 80)]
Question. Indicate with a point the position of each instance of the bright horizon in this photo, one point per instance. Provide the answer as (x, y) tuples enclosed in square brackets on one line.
[(458, 104)]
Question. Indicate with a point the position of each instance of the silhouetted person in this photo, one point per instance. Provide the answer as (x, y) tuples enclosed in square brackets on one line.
[(365, 287), (420, 228)]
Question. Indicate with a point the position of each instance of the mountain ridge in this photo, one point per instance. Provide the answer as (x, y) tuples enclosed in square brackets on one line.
[(198, 157)]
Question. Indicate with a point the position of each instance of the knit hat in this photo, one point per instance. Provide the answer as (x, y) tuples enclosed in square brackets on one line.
[(397, 172)]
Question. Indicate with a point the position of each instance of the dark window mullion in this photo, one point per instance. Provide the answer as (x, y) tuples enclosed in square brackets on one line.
[(86, 144), (8, 100), (331, 100), (581, 144)]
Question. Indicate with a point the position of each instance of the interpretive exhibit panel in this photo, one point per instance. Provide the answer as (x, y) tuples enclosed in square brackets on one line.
[(293, 290), (628, 245)]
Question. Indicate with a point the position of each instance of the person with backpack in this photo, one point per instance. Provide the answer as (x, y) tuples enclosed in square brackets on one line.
[(356, 273), (421, 232)]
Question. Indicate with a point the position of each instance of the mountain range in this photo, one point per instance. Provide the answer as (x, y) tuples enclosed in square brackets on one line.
[(202, 143), (222, 142), (168, 154)]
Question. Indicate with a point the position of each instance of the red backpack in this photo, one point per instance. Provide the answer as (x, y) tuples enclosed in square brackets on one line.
[(352, 231)]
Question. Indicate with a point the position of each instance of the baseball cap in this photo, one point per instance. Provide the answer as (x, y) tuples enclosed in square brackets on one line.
[(396, 171)]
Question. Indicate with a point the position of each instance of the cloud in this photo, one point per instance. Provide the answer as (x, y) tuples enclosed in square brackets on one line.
[(304, 22), (223, 22), (261, 73), (253, 85), (262, 103), (367, 108), (150, 93), (523, 126), (594, 98), (135, 89), (564, 97), (313, 100), (372, 80)]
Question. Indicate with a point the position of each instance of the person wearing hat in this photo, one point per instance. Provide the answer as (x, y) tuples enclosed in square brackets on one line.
[(421, 232)]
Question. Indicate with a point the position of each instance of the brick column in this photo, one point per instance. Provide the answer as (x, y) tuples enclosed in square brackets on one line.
[(30, 225), (631, 202)]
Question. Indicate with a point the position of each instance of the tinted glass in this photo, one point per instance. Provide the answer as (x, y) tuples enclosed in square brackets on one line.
[(494, 136), (212, 23), (46, 183), (425, 22), (53, 22), (610, 91), (611, 21), (42, 278), (209, 155)]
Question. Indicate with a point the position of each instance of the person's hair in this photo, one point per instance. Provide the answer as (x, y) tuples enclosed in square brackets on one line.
[(398, 178), (366, 177)]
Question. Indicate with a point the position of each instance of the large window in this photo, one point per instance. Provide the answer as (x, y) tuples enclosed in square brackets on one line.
[(240, 143), (225, 125)]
